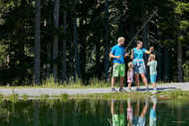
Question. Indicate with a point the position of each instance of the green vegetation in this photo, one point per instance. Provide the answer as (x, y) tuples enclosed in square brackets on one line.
[(166, 95), (135, 95), (70, 46), (25, 97), (50, 83)]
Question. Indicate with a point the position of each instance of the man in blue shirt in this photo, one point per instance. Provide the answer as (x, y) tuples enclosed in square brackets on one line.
[(118, 54)]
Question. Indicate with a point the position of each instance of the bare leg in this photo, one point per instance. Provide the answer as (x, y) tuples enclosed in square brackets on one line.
[(113, 81), (112, 108), (121, 82), (137, 107), (144, 80), (121, 108), (144, 111), (129, 85), (154, 85), (137, 80)]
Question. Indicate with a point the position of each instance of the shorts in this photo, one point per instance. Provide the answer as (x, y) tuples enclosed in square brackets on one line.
[(118, 120), (153, 78), (118, 70), (139, 68), (141, 121)]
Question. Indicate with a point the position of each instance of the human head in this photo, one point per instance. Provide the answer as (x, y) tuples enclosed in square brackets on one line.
[(121, 41), (130, 65), (139, 44), (152, 57)]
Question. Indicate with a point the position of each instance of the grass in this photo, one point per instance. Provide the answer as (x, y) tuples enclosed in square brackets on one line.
[(50, 83), (135, 95), (95, 83), (166, 95)]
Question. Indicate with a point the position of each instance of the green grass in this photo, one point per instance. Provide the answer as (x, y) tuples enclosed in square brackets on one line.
[(166, 95), (50, 83)]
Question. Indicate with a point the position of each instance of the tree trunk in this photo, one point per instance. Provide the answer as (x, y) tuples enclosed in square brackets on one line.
[(64, 77), (49, 44), (179, 61), (55, 44), (106, 63), (37, 44), (77, 69), (166, 64), (55, 117), (83, 49), (36, 114)]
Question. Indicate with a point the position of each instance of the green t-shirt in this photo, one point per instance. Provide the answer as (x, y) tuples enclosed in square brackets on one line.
[(153, 67)]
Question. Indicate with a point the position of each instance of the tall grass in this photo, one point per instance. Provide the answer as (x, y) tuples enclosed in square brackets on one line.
[(93, 83)]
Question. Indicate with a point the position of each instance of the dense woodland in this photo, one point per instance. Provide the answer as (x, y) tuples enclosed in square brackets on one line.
[(71, 39)]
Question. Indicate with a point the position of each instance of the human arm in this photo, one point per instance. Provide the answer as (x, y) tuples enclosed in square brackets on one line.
[(126, 54), (132, 53), (149, 59), (149, 51), (149, 63), (112, 53), (112, 56)]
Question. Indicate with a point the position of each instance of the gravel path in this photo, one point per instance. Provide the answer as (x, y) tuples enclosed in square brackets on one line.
[(32, 92)]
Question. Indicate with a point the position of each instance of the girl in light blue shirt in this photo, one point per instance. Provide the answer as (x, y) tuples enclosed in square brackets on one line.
[(152, 63)]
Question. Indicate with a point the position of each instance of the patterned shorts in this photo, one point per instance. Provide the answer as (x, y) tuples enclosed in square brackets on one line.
[(118, 70), (139, 68)]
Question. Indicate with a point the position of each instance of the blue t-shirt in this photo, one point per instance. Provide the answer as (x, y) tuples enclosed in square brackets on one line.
[(138, 55), (118, 51)]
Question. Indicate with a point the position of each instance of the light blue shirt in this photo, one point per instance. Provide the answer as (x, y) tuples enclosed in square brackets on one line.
[(118, 51), (138, 55), (153, 67)]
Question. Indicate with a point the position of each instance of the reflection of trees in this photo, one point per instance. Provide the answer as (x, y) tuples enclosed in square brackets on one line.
[(36, 114), (79, 113)]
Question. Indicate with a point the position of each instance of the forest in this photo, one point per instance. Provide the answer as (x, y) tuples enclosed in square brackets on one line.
[(71, 39)]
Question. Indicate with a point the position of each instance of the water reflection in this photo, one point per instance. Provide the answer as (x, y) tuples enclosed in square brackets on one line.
[(136, 114), (130, 112)]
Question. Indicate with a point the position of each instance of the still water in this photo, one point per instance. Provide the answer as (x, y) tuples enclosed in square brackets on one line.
[(149, 112)]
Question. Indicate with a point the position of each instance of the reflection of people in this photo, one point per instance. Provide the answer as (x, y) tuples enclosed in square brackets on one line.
[(152, 63), (140, 120), (117, 119), (153, 118), (118, 54), (130, 74), (129, 113), (138, 62)]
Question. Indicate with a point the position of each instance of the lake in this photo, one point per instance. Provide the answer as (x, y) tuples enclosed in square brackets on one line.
[(148, 112)]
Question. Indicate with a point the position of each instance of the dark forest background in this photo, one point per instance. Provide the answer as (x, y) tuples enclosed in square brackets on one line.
[(71, 39)]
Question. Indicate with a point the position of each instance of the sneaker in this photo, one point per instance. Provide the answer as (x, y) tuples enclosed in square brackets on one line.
[(147, 89), (122, 90), (137, 89), (114, 90)]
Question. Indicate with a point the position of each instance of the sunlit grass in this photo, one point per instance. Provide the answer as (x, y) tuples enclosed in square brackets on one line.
[(50, 83)]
